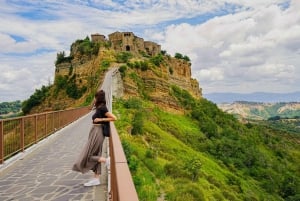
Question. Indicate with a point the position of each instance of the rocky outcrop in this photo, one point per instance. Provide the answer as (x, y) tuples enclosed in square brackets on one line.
[(154, 83)]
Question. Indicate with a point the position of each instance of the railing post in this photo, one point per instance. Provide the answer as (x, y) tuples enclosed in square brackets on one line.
[(1, 143), (46, 131), (53, 123), (35, 129), (58, 119), (22, 137)]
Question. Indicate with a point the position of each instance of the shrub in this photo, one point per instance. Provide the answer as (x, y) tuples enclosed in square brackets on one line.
[(186, 58), (176, 170), (35, 99), (138, 123), (144, 65), (123, 57), (122, 70), (105, 64), (178, 55), (61, 57), (133, 163), (87, 47), (193, 167), (157, 60), (184, 98), (133, 103)]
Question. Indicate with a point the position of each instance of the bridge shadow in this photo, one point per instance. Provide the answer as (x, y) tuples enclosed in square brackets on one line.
[(43, 172)]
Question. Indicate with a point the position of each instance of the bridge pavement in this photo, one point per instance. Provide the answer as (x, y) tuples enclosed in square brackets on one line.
[(43, 172)]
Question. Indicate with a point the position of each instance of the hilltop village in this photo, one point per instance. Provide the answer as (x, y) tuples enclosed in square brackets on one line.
[(127, 41)]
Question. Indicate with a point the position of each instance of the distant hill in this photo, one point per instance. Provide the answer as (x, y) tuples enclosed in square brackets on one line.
[(253, 97), (261, 111), (10, 109)]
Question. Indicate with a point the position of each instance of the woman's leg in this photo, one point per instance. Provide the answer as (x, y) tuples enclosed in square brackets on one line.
[(96, 179)]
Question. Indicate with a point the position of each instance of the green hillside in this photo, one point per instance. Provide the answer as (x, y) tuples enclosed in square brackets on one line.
[(205, 154), (10, 109)]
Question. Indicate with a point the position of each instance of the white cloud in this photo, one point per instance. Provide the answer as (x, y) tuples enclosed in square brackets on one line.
[(212, 74), (273, 72), (248, 45), (20, 78), (260, 45)]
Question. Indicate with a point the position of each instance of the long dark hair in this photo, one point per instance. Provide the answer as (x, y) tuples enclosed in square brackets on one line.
[(100, 98)]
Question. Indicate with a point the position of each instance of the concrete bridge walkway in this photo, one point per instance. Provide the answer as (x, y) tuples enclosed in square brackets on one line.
[(43, 172)]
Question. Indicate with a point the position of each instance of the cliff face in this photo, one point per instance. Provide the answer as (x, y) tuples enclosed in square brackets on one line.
[(153, 83), (156, 83)]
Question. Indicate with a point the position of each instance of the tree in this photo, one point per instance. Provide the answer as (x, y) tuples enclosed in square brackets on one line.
[(186, 58), (178, 55), (60, 57)]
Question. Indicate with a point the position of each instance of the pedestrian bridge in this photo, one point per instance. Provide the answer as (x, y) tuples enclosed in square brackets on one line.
[(37, 153)]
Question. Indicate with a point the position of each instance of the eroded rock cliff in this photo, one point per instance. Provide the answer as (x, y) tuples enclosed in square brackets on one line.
[(88, 62)]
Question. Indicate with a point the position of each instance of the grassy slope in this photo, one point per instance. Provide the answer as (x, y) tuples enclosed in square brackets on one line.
[(165, 160)]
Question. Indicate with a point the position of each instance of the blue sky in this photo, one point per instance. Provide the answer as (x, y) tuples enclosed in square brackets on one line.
[(236, 46)]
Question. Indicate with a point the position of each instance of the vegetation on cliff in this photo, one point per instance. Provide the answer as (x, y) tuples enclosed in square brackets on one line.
[(205, 154)]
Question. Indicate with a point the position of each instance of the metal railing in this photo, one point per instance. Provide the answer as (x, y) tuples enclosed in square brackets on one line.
[(17, 134), (121, 184)]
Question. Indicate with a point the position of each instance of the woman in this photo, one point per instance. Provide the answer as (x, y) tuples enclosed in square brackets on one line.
[(90, 157)]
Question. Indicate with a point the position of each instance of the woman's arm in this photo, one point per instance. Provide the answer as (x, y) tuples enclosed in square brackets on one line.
[(109, 117)]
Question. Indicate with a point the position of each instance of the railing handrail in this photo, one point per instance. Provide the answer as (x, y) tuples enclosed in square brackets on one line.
[(122, 187), (42, 113), (29, 126)]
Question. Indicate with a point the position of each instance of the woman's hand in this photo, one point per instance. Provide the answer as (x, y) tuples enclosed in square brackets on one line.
[(98, 120)]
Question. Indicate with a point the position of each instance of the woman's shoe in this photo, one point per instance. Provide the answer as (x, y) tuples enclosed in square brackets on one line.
[(92, 182)]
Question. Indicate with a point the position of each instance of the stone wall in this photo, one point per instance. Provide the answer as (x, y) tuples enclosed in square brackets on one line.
[(152, 48), (127, 41), (98, 37)]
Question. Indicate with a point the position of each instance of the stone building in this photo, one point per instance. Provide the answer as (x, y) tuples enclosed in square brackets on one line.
[(98, 37), (127, 41)]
